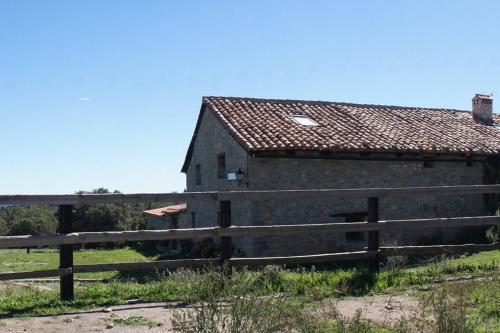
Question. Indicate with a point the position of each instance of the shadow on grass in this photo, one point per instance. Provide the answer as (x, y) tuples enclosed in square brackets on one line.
[(138, 276), (147, 249)]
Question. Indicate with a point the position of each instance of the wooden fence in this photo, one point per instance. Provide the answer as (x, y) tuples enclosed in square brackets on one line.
[(226, 230)]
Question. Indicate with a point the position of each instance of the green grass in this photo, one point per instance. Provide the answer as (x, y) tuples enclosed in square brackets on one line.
[(39, 259), (134, 321), (481, 258), (16, 300), (484, 298)]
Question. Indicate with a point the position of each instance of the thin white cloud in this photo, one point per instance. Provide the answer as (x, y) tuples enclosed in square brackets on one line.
[(84, 99)]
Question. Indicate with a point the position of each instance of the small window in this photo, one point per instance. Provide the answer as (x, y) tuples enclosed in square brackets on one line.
[(304, 120), (193, 220), (353, 236), (428, 163), (197, 175), (221, 166)]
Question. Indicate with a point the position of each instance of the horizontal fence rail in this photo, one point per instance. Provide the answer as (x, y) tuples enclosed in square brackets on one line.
[(436, 249), (308, 259), (259, 261), (235, 231), (278, 195), (225, 231), (35, 274)]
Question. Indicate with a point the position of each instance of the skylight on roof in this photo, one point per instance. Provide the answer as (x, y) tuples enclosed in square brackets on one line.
[(304, 120)]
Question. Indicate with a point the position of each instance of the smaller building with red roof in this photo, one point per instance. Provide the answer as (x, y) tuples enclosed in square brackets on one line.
[(169, 217)]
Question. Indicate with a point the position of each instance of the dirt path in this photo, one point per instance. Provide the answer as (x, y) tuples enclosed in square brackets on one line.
[(156, 317), (380, 309), (97, 321)]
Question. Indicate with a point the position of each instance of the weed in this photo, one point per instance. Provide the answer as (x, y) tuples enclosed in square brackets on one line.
[(451, 308), (226, 306), (235, 309), (449, 312)]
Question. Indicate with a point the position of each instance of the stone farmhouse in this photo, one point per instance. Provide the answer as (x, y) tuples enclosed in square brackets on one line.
[(268, 144)]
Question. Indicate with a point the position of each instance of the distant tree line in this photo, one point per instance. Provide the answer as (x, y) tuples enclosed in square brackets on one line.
[(42, 220)]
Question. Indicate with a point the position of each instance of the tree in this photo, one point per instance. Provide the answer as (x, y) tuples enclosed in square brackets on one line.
[(4, 229), (31, 220), (108, 217), (37, 220), (101, 218)]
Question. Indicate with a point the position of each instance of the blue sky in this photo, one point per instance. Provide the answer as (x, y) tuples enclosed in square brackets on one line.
[(106, 93)]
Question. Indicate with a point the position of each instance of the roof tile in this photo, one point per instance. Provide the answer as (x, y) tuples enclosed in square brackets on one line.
[(267, 125)]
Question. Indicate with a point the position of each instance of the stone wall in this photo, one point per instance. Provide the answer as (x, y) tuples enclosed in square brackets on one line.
[(213, 139), (278, 174)]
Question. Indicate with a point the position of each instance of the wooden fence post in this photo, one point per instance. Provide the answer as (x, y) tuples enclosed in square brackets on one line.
[(373, 236), (225, 221), (66, 254)]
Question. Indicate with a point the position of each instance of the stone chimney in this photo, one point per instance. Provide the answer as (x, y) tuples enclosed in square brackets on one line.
[(482, 108)]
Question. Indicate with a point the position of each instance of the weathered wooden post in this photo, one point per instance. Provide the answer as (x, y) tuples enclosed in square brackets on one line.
[(373, 236), (225, 242), (66, 254)]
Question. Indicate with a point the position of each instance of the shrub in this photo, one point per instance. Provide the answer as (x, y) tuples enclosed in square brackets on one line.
[(449, 312), (227, 307)]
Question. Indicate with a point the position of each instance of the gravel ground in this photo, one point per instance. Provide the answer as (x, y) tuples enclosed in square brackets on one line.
[(380, 309)]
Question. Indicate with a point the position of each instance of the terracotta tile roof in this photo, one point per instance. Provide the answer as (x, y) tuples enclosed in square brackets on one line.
[(267, 125), (169, 210)]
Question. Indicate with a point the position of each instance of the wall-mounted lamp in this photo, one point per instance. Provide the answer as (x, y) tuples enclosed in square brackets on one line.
[(236, 176), (240, 175)]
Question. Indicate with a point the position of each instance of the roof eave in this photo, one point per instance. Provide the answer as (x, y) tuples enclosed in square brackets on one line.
[(189, 153)]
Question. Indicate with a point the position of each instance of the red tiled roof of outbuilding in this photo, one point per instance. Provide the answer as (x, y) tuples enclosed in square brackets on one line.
[(169, 210)]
